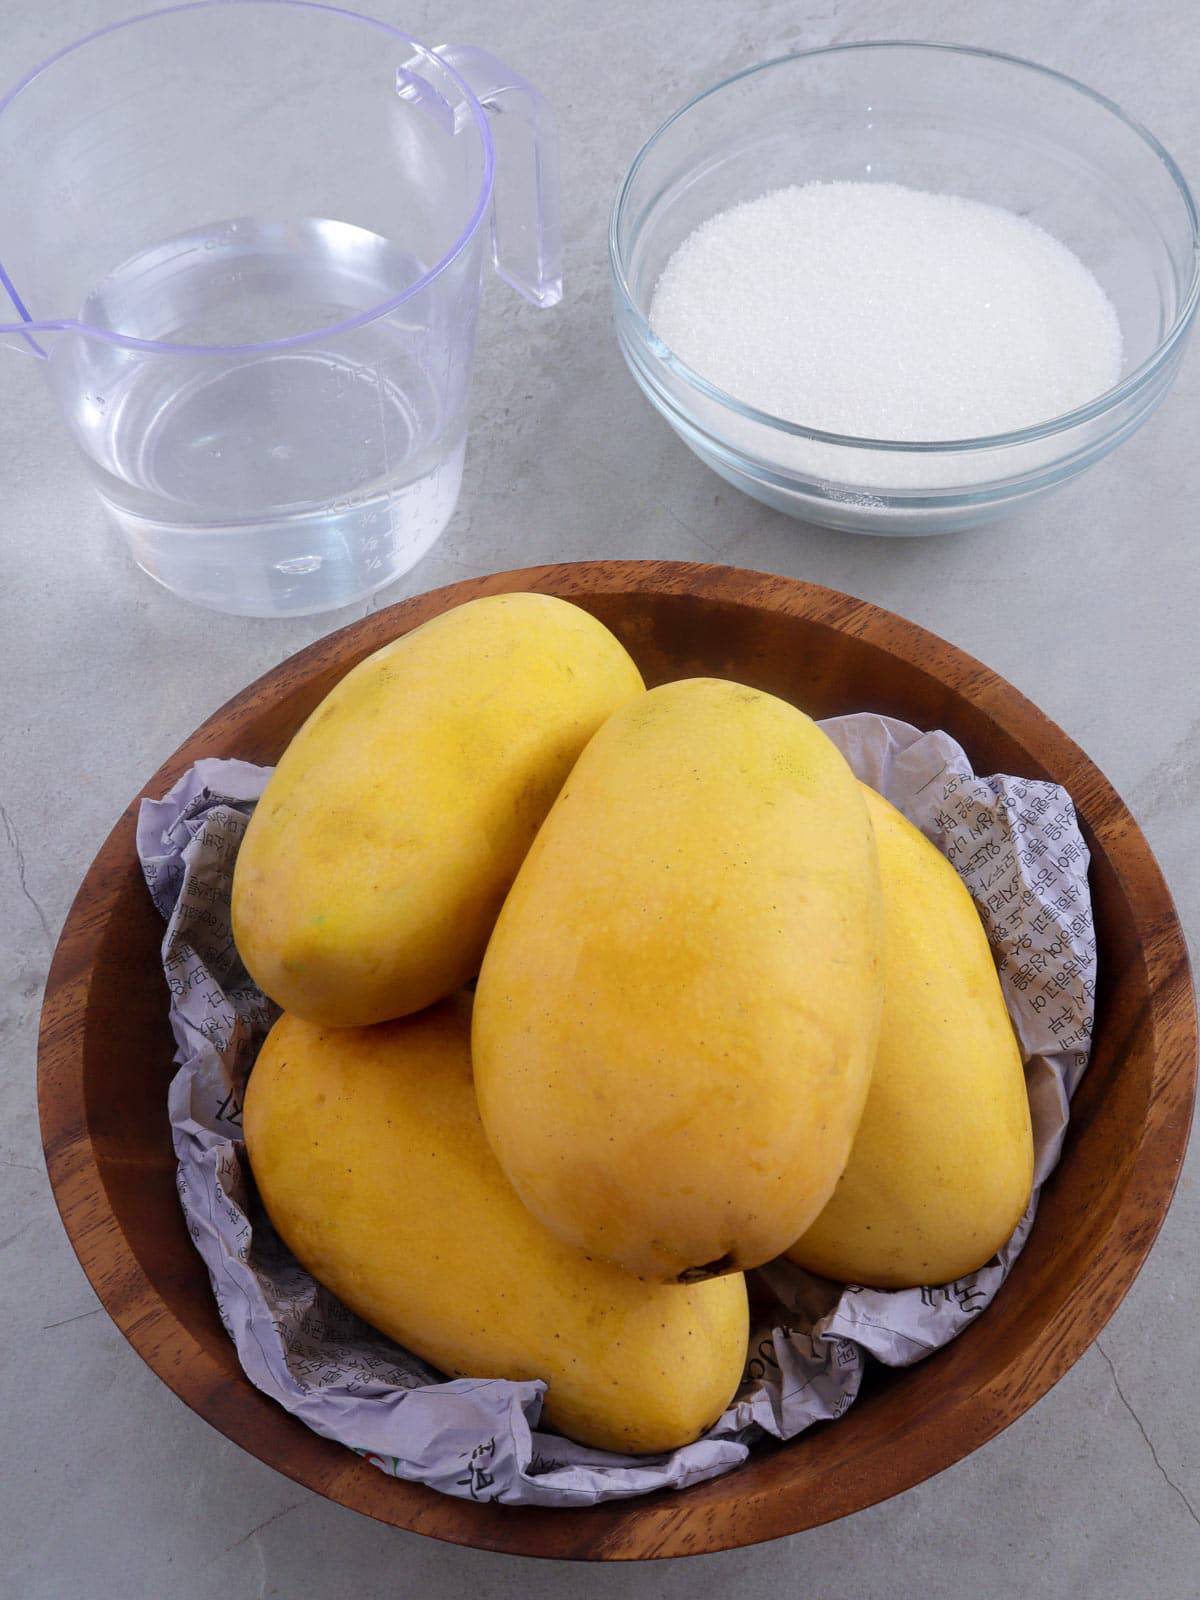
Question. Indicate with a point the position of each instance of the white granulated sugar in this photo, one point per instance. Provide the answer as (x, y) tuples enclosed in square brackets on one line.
[(888, 313)]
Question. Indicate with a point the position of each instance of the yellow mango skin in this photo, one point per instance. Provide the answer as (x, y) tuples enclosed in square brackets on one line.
[(371, 1161), (676, 1017), (380, 853), (941, 1170)]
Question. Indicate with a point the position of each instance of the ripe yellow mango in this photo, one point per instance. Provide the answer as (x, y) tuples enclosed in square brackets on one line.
[(370, 1159), (381, 851), (940, 1172), (676, 1017)]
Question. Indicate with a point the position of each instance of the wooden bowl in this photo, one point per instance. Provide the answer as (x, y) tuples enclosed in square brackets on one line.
[(105, 1060)]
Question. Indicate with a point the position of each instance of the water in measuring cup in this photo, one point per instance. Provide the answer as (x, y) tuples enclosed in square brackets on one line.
[(291, 480)]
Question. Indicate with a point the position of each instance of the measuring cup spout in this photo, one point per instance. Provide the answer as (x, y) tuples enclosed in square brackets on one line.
[(19, 331), (21, 334), (29, 338), (526, 219)]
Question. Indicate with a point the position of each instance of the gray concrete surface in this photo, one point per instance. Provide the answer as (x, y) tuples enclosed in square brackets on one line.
[(108, 1486)]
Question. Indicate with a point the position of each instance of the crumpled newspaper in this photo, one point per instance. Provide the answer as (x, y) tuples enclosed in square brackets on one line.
[(1016, 844)]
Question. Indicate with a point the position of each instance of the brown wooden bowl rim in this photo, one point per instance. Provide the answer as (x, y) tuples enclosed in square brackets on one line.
[(663, 1521)]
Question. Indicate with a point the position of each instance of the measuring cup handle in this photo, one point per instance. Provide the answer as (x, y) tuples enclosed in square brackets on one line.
[(526, 221)]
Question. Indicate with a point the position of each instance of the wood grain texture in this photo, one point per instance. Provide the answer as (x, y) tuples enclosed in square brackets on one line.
[(105, 1061)]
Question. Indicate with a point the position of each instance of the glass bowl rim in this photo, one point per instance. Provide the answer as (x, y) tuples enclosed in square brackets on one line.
[(1106, 401)]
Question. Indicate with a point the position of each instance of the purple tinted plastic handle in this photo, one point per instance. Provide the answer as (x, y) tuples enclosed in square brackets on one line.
[(526, 223)]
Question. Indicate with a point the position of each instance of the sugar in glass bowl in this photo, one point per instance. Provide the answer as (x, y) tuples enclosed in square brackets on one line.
[(942, 118)]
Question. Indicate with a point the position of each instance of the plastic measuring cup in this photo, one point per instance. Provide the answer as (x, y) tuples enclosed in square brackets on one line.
[(245, 240)]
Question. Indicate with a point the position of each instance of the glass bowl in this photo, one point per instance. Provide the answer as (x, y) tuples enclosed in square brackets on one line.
[(937, 117)]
